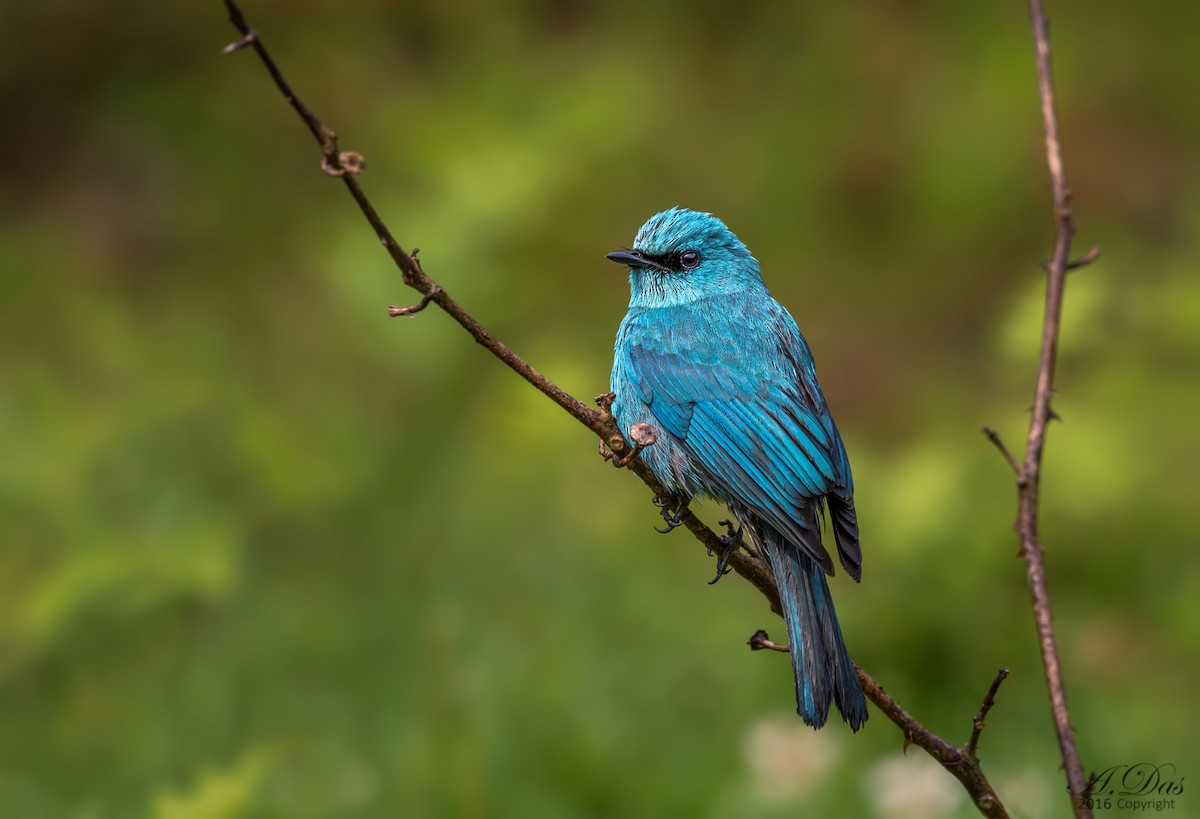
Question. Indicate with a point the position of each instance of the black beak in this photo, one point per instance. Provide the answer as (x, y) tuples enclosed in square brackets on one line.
[(634, 258)]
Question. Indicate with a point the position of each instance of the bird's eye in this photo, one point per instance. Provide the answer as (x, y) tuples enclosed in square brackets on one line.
[(689, 259)]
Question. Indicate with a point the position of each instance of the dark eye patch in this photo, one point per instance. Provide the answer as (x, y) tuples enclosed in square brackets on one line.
[(678, 262)]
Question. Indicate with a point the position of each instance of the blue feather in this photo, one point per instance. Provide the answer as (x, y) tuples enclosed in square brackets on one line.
[(719, 368)]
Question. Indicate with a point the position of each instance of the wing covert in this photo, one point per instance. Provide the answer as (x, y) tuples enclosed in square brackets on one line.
[(758, 436)]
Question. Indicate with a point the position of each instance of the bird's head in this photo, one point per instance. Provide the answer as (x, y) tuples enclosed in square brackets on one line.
[(680, 256)]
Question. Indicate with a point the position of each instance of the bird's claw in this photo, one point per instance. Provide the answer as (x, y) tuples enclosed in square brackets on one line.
[(672, 519), (730, 543)]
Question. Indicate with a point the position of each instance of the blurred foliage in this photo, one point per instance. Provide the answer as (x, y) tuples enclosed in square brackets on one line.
[(266, 553)]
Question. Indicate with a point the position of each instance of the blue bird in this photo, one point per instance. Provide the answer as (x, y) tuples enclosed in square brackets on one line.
[(707, 357)]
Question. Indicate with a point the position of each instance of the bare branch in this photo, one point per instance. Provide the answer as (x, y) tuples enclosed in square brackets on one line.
[(1029, 481)]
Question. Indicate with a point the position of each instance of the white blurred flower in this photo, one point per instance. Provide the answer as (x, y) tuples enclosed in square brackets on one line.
[(786, 758), (912, 787), (1027, 793)]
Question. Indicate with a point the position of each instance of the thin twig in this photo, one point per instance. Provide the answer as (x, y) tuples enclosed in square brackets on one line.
[(994, 437), (989, 699), (1086, 259), (412, 309), (1083, 261), (748, 565), (760, 641), (1030, 473)]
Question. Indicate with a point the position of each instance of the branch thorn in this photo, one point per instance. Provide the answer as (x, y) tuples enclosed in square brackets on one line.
[(238, 45), (394, 311)]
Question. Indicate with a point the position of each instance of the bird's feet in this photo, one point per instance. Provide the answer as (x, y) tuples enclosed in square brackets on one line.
[(730, 543), (671, 518)]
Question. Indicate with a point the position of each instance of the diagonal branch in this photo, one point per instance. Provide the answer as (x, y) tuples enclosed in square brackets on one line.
[(346, 165)]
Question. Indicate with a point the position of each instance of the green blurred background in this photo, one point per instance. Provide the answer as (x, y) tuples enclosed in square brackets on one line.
[(265, 552)]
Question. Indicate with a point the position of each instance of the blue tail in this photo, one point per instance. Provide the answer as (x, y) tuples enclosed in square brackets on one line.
[(820, 661)]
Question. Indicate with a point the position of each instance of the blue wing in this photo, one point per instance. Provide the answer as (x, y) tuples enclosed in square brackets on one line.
[(747, 409)]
